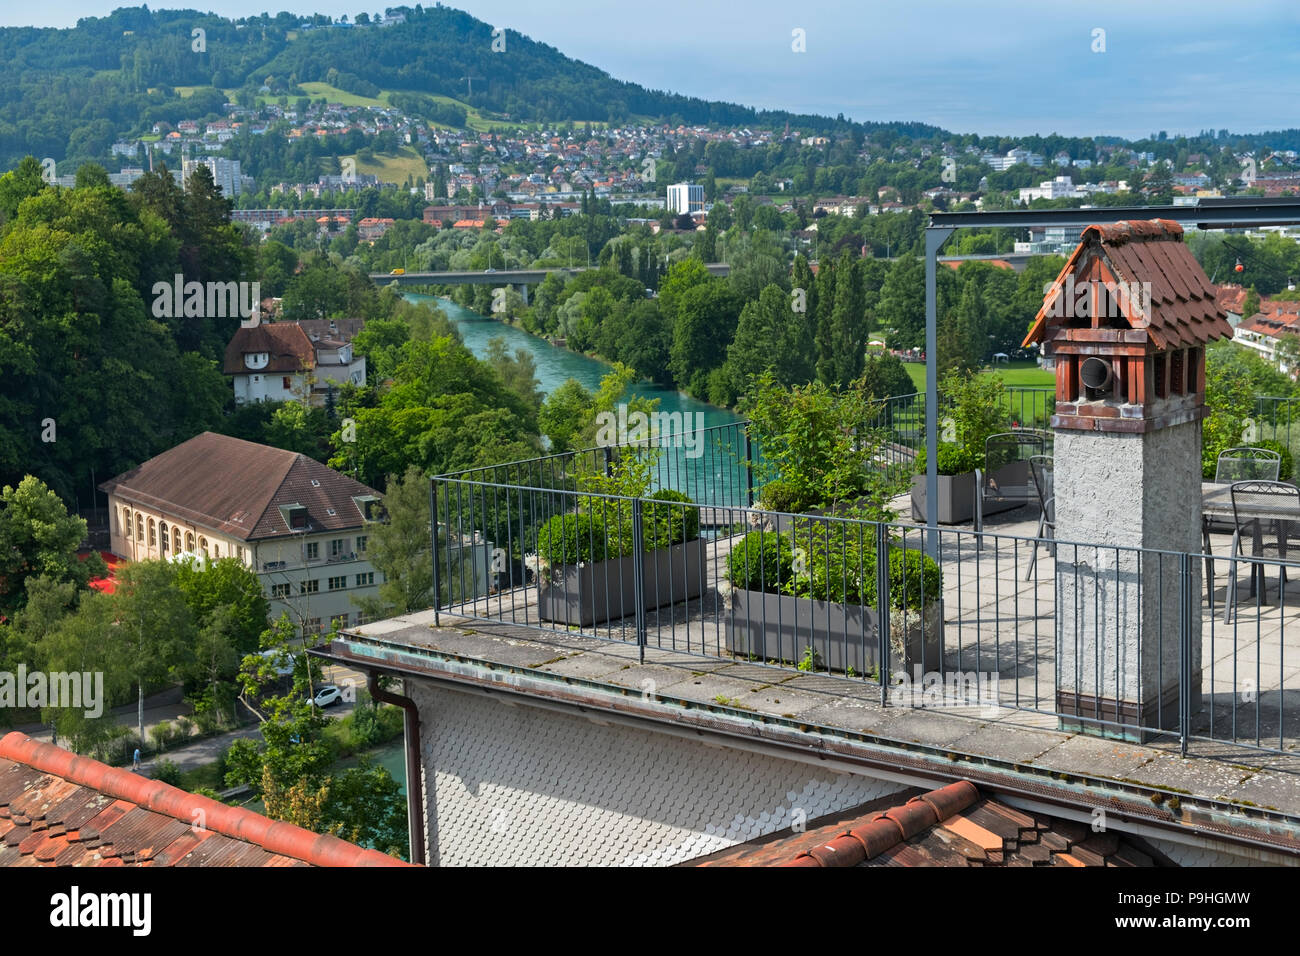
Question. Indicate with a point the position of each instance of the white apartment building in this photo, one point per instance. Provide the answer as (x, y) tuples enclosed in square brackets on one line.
[(685, 197), (225, 173), (1058, 187)]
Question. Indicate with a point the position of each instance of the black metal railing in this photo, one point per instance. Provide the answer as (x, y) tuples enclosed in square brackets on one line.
[(1100, 638)]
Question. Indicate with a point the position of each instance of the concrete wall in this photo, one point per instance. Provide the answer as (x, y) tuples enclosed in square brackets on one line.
[(1117, 610), (522, 785)]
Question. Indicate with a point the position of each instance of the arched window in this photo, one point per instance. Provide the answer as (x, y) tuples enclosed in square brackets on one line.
[(176, 537), (216, 550), (139, 528), (203, 545), (189, 541), (163, 528), (153, 533), (126, 522)]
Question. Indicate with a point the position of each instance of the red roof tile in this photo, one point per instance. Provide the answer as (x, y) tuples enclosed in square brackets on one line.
[(59, 809), (955, 825)]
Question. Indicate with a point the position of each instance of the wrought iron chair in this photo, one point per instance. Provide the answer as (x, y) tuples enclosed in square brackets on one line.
[(1243, 463), (1040, 468), (1006, 475), (1262, 511), (1246, 463)]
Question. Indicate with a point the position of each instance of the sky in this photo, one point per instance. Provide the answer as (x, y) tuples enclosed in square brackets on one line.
[(1005, 67)]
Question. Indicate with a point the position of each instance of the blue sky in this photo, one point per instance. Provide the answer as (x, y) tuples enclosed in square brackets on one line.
[(997, 66)]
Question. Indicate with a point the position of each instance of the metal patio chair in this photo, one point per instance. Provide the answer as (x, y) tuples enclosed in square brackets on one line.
[(1246, 463), (1261, 511), (1006, 475), (1243, 463), (1040, 468)]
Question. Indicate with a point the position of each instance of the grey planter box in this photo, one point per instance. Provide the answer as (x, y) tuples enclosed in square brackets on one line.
[(606, 590), (957, 494), (781, 627)]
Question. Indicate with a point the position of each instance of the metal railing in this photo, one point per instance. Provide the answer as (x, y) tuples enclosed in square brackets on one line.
[(722, 465), (1100, 638)]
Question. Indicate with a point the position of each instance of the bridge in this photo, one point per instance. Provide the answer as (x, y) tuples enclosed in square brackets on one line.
[(521, 278)]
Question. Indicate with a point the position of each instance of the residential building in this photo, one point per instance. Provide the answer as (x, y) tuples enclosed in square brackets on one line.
[(685, 198), (294, 361), (1058, 187), (302, 527), (225, 173)]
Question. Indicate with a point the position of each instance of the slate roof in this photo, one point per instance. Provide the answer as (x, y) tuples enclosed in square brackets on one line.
[(1184, 308), (289, 347), (59, 809), (955, 825), (236, 488)]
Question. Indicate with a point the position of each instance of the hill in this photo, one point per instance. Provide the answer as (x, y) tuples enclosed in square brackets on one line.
[(69, 94)]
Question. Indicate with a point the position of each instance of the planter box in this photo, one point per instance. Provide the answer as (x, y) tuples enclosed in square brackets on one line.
[(780, 627), (606, 590), (957, 494)]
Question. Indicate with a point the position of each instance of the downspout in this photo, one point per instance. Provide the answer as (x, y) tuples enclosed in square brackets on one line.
[(414, 790)]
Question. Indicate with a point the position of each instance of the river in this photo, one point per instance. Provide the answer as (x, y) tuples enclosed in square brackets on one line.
[(710, 469), (555, 365)]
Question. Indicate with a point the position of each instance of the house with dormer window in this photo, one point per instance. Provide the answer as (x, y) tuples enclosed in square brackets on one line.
[(294, 361)]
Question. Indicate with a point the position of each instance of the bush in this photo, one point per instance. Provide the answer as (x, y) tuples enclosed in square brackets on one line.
[(1287, 463), (832, 562), (572, 539), (668, 518), (762, 561), (672, 523), (953, 459), (166, 771)]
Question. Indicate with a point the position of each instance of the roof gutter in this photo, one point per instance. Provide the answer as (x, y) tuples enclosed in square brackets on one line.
[(414, 789)]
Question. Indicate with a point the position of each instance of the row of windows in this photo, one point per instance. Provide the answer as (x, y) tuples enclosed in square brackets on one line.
[(313, 624), (338, 547), (312, 585), (158, 536)]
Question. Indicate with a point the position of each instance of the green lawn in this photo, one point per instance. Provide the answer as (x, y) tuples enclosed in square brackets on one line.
[(392, 168), (1025, 374)]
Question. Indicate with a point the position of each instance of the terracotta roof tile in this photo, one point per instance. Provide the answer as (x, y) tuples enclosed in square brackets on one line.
[(955, 825), (58, 809)]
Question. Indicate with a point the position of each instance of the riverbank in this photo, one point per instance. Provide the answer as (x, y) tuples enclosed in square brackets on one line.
[(557, 365)]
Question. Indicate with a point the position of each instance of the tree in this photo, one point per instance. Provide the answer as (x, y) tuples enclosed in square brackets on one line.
[(39, 537), (962, 342), (902, 303), (704, 326), (400, 548), (518, 371), (885, 376), (563, 414), (19, 183), (154, 626)]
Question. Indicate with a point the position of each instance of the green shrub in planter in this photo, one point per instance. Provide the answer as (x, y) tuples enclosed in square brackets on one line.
[(670, 518), (836, 563), (953, 459), (762, 561), (573, 539), (912, 574), (1287, 462), (605, 533)]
